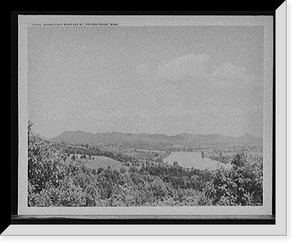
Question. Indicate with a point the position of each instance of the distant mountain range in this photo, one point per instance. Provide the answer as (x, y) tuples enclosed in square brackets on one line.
[(130, 139)]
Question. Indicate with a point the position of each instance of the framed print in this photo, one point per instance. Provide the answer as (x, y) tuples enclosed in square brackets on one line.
[(146, 119)]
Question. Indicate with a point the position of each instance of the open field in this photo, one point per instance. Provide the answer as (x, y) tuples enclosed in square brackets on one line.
[(96, 162), (103, 162)]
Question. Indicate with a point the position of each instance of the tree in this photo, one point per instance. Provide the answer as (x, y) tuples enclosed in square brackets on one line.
[(44, 163), (239, 160), (240, 185)]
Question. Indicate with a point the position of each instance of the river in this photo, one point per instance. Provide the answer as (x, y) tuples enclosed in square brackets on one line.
[(195, 160)]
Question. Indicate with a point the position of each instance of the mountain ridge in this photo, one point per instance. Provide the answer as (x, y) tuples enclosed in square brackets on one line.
[(183, 139)]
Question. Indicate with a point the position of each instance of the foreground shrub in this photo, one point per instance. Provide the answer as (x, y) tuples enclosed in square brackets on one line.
[(240, 185)]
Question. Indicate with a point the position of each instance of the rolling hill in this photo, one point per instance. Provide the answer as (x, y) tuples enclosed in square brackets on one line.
[(130, 139)]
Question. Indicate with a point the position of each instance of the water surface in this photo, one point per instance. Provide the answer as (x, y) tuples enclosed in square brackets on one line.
[(195, 160)]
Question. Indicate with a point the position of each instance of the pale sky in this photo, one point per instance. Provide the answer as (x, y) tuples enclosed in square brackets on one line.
[(167, 80)]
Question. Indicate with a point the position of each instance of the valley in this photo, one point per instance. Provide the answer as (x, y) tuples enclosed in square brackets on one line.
[(144, 170)]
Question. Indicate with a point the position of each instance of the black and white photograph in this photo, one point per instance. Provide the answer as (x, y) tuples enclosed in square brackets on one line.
[(147, 118)]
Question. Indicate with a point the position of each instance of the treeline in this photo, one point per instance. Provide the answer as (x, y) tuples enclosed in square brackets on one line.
[(178, 176), (52, 182), (94, 151), (138, 159), (223, 159)]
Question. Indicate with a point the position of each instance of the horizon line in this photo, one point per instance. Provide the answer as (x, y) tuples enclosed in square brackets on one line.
[(183, 133)]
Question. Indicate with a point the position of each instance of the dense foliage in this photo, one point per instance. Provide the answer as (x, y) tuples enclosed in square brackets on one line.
[(52, 181), (241, 185)]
